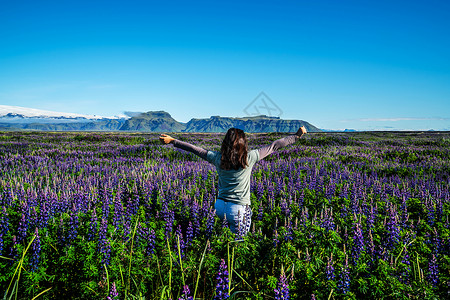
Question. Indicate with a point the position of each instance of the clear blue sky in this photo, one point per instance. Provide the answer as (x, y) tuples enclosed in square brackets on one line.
[(367, 65)]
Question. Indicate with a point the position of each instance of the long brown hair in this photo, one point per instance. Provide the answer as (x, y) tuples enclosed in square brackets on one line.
[(234, 150)]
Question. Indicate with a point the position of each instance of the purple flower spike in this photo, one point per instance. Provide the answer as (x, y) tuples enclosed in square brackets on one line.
[(36, 251), (3, 227), (433, 276), (282, 290), (222, 282), (358, 242), (113, 295), (104, 245), (186, 294), (330, 269), (344, 281)]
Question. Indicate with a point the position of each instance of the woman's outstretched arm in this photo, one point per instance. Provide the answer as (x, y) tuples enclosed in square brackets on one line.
[(280, 143), (166, 139)]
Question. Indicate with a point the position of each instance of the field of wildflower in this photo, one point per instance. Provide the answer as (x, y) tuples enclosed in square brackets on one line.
[(120, 216)]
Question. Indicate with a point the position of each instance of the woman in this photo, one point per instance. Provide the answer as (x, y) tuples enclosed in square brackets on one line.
[(234, 165)]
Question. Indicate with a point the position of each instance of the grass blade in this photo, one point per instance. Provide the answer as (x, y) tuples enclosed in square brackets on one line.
[(42, 293), (200, 268)]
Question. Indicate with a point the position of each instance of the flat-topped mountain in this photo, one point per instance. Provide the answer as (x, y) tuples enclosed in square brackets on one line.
[(154, 121), (248, 124)]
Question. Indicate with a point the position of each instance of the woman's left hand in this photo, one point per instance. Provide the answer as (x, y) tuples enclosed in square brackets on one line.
[(166, 139)]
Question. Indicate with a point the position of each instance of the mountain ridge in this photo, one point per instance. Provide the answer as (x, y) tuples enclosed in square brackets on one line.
[(21, 118)]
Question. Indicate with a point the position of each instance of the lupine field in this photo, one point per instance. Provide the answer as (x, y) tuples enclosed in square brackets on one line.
[(120, 216)]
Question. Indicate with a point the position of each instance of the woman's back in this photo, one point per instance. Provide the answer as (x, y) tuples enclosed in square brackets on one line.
[(234, 185)]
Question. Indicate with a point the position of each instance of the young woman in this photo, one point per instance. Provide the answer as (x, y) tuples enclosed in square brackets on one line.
[(234, 165)]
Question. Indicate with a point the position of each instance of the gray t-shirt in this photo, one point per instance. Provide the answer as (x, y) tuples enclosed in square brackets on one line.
[(234, 185)]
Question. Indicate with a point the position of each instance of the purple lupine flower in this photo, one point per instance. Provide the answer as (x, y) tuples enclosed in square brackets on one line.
[(23, 227), (404, 210), (284, 207), (210, 223), (282, 290), (436, 242), (370, 222), (330, 269), (104, 246), (313, 297), (43, 216), (150, 242), (276, 240), (430, 211), (169, 217), (288, 226), (260, 213), (433, 268), (93, 226), (344, 280), (393, 231), (73, 227), (195, 217), (113, 295), (189, 234), (105, 200), (3, 227), (118, 213), (304, 217), (371, 246), (35, 252), (61, 233), (33, 221), (358, 242), (344, 191), (186, 294), (179, 234), (404, 276), (328, 220), (222, 282), (126, 235)]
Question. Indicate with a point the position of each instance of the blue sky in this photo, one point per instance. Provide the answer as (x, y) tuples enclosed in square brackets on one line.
[(366, 65)]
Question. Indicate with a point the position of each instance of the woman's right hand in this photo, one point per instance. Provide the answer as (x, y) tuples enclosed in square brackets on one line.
[(301, 131), (166, 139)]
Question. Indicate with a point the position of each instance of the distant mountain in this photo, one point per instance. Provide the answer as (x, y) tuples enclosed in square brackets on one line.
[(18, 112), (94, 125), (22, 118), (153, 121), (248, 124)]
